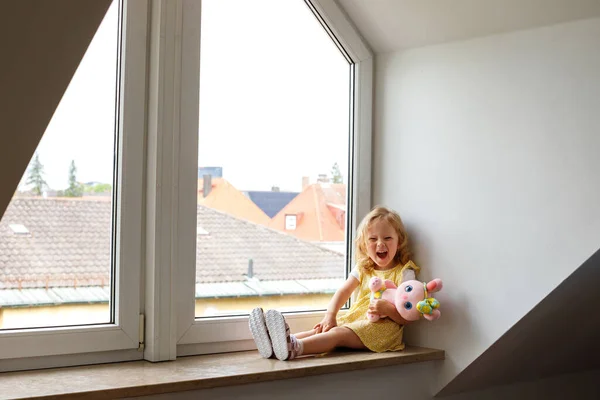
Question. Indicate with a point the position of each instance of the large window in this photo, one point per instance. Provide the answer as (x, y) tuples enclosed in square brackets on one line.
[(274, 136), (206, 158), (282, 170), (57, 234), (70, 237)]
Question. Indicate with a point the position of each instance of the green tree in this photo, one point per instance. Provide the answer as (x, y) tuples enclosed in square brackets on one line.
[(75, 189), (102, 188), (35, 175), (97, 188), (336, 174)]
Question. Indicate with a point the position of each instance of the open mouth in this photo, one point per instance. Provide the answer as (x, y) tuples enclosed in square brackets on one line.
[(382, 254)]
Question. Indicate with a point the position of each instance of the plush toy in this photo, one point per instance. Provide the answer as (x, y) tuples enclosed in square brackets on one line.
[(411, 299)]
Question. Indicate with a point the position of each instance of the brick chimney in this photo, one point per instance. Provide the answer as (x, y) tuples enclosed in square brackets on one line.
[(305, 182)]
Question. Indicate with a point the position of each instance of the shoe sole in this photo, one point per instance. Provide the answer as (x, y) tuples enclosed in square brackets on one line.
[(279, 334), (258, 329)]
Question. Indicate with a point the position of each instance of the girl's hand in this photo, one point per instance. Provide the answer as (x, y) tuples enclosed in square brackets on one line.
[(329, 321), (382, 307)]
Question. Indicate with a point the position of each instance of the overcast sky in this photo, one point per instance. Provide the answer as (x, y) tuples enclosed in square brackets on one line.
[(274, 99)]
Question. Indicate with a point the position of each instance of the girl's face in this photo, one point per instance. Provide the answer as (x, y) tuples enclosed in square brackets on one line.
[(382, 243)]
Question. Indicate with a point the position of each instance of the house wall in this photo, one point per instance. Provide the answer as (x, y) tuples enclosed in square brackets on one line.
[(25, 317), (489, 148), (32, 317), (309, 301)]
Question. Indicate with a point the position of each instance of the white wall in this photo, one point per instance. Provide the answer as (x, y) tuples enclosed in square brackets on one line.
[(407, 382), (490, 151), (343, 386)]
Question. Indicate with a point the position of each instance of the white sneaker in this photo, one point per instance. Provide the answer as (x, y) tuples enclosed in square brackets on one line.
[(258, 329), (279, 332)]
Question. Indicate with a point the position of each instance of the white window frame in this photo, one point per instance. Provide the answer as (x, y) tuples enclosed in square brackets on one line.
[(47, 347), (184, 335)]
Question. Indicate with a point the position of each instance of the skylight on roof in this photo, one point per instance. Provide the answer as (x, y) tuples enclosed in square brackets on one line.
[(19, 229)]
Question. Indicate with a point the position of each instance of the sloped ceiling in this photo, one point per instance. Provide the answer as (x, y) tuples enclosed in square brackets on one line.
[(391, 25), (560, 335), (42, 45)]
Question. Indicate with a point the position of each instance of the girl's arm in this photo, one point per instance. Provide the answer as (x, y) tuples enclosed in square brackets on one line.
[(340, 297), (408, 274), (384, 307)]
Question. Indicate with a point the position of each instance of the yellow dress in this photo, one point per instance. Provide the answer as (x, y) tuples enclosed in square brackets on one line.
[(385, 334)]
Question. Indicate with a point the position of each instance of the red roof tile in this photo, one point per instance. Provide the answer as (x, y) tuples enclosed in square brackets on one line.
[(320, 213)]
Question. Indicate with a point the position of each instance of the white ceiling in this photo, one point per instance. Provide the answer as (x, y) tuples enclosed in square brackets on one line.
[(390, 25)]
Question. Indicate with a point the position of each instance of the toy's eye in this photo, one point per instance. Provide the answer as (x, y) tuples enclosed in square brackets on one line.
[(408, 305), (408, 288)]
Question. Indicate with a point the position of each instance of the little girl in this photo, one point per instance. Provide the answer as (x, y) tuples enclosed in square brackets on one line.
[(381, 250)]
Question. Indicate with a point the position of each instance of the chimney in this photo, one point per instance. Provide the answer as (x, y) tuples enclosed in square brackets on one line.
[(206, 185), (305, 182), (250, 273), (275, 189)]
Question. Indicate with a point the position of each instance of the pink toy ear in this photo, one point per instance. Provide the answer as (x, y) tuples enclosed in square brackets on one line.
[(390, 285), (433, 316), (434, 285)]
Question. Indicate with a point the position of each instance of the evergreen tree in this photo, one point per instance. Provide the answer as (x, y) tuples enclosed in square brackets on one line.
[(336, 175), (75, 189), (35, 175)]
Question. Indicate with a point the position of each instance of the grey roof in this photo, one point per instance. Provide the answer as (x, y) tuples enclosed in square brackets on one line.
[(68, 245), (223, 254), (271, 202)]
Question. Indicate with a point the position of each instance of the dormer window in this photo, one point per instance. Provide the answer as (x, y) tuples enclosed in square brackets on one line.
[(19, 229), (290, 222)]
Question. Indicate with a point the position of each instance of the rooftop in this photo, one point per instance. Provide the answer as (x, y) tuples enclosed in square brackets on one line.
[(67, 246)]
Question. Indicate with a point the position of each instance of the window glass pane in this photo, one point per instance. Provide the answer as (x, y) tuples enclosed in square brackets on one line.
[(273, 159), (56, 234)]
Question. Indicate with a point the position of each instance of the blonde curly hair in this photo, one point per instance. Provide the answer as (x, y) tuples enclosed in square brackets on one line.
[(402, 256)]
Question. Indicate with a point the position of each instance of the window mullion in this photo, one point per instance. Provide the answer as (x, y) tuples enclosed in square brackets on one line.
[(187, 206), (162, 178)]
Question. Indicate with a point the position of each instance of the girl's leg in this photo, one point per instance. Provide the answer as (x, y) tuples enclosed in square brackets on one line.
[(302, 335), (287, 346), (335, 337)]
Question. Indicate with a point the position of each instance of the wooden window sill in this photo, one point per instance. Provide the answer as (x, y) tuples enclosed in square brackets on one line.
[(140, 378)]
